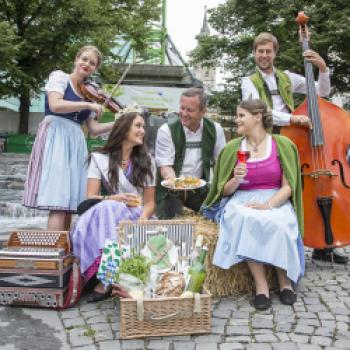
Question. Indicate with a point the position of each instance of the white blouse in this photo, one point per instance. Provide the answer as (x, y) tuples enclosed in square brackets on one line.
[(99, 166)]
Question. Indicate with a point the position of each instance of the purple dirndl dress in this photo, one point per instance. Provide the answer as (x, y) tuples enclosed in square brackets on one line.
[(100, 222)]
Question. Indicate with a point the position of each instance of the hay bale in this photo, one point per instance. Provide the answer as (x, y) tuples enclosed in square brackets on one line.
[(235, 281)]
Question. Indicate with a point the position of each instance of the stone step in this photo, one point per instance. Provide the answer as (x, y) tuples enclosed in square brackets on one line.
[(7, 225), (13, 169), (11, 185), (11, 159), (16, 210), (9, 182), (11, 195)]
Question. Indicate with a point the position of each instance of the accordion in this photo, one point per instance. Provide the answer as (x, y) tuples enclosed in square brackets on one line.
[(35, 268)]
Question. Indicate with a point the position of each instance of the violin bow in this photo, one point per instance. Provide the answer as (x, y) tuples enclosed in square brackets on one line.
[(126, 70)]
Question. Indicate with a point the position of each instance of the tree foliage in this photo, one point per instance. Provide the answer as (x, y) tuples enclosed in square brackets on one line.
[(38, 36), (238, 22), (8, 50)]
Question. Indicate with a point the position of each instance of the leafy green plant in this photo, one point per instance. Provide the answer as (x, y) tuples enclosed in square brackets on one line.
[(137, 266)]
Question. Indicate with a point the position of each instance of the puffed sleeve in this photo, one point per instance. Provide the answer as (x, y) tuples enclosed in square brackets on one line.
[(58, 81), (94, 171), (152, 182)]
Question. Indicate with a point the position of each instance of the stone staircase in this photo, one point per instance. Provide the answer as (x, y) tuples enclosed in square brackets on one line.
[(13, 168)]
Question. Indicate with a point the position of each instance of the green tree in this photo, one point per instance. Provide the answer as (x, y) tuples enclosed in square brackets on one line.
[(38, 36), (8, 51), (238, 22)]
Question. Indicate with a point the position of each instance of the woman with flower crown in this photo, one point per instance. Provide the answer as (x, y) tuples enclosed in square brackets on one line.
[(122, 179)]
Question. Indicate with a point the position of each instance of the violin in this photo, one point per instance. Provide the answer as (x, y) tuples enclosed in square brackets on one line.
[(92, 92)]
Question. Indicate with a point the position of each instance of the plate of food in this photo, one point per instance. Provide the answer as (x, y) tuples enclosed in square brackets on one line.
[(184, 183)]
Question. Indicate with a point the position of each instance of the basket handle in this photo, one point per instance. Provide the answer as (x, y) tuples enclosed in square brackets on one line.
[(165, 317), (156, 232), (140, 309), (197, 303)]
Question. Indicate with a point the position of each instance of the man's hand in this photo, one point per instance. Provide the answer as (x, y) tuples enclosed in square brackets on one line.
[(313, 57), (302, 120)]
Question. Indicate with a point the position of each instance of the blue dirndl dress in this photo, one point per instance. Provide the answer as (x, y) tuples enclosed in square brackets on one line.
[(57, 171)]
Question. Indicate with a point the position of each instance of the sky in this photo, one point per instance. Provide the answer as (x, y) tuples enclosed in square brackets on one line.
[(184, 22)]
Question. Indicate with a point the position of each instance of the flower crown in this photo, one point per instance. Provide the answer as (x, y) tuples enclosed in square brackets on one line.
[(128, 109)]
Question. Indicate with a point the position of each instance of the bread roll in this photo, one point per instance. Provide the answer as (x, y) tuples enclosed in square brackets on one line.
[(134, 202)]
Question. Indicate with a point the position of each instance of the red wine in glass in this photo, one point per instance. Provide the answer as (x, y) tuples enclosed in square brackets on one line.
[(243, 156)]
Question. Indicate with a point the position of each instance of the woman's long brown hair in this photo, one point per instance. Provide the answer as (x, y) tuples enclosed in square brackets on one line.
[(141, 160)]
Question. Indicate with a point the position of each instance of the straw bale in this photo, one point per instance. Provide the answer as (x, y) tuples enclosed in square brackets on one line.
[(235, 281)]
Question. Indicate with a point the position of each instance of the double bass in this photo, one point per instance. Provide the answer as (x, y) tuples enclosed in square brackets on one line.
[(324, 159)]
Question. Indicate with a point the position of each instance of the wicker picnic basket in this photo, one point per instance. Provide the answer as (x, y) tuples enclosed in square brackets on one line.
[(163, 316)]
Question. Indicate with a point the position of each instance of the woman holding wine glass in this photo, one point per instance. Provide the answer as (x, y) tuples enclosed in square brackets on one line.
[(261, 214)]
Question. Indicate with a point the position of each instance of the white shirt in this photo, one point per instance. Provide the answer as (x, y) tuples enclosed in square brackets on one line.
[(193, 163), (99, 165), (280, 113)]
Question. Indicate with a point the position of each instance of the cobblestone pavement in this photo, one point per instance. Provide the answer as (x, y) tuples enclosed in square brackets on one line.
[(318, 320)]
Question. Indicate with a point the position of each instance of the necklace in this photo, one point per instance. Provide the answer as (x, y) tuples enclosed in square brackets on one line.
[(256, 146), (125, 162)]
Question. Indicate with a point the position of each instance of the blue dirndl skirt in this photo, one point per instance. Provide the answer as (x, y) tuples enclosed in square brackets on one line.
[(57, 171), (267, 236)]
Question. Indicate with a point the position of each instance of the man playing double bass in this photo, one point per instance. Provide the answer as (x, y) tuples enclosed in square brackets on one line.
[(276, 87)]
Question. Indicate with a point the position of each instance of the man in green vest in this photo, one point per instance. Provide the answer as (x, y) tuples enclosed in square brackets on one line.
[(276, 87), (188, 146)]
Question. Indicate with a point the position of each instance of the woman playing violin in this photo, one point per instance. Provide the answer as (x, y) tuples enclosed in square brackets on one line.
[(56, 177)]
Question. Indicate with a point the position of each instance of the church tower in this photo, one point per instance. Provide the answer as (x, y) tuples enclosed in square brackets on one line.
[(206, 75)]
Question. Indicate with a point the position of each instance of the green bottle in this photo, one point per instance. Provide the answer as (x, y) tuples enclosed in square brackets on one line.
[(197, 272)]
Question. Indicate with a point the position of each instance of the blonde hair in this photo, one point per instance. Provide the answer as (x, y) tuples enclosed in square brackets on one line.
[(255, 106), (93, 49), (264, 38)]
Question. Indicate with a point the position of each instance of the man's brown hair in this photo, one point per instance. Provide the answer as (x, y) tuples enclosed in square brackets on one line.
[(264, 38)]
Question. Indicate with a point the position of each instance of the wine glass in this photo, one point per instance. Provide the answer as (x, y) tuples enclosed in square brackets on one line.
[(243, 155)]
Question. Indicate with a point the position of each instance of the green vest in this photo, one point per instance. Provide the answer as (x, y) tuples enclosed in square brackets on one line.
[(179, 140), (284, 87)]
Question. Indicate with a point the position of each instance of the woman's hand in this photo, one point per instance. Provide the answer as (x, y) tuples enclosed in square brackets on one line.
[(259, 206), (240, 171), (123, 197), (97, 108)]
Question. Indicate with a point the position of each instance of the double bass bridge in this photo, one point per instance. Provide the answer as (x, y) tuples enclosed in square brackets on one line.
[(318, 174)]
